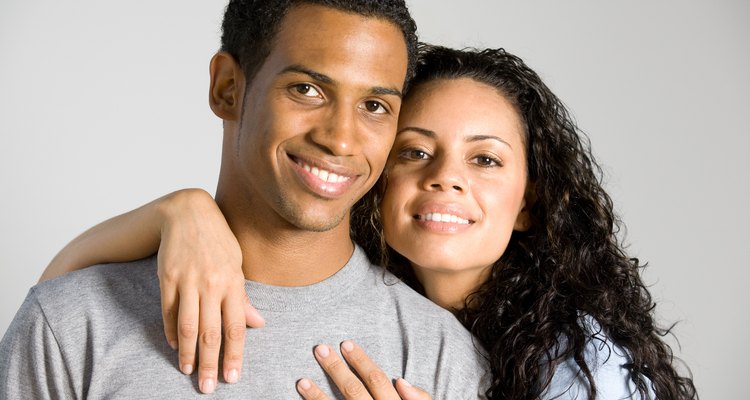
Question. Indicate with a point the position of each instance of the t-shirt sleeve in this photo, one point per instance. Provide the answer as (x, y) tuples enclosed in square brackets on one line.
[(33, 366)]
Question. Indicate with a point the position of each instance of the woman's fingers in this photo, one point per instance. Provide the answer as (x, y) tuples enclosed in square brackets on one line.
[(187, 331), (348, 383), (409, 392), (209, 343), (377, 382), (169, 310), (233, 314), (253, 318), (370, 382), (204, 322), (200, 267), (309, 390)]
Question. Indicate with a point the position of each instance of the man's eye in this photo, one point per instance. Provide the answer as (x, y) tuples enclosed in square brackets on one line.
[(375, 107), (307, 90)]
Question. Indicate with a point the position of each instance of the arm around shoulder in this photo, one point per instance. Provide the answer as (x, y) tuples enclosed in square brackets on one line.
[(130, 236)]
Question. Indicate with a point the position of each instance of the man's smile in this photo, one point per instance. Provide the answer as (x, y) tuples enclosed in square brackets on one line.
[(322, 178)]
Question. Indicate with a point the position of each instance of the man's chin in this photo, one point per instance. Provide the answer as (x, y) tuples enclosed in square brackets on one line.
[(307, 220)]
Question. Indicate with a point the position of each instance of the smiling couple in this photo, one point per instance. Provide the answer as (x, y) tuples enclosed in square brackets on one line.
[(489, 205)]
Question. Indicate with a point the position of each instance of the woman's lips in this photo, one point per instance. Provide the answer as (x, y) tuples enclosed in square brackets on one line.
[(442, 218)]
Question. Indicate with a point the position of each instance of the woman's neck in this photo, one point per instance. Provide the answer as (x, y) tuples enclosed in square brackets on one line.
[(449, 289)]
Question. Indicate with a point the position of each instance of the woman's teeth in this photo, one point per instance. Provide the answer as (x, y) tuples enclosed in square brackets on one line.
[(438, 217)]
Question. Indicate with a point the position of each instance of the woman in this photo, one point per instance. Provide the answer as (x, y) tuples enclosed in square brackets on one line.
[(491, 205)]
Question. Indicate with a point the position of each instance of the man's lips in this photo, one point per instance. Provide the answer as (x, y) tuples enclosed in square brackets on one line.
[(325, 175), (321, 178)]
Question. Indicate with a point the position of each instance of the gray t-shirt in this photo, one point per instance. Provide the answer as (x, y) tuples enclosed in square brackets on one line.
[(97, 333)]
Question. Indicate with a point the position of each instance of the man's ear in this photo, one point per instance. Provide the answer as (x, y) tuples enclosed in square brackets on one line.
[(227, 86), (523, 219)]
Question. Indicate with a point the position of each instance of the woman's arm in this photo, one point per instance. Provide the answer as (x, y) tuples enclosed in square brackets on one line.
[(200, 275), (127, 237)]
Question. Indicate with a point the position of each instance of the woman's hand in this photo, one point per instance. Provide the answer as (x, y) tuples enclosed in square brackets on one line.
[(203, 287), (376, 386)]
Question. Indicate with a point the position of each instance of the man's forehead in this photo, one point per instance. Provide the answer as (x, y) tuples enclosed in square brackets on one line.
[(341, 45), (311, 23)]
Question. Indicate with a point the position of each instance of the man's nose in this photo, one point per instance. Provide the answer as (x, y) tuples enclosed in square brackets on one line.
[(340, 133)]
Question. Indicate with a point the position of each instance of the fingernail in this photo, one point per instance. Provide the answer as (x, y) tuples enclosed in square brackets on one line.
[(173, 344), (322, 350), (233, 376), (347, 345), (187, 369), (406, 383), (208, 386), (257, 314), (305, 384)]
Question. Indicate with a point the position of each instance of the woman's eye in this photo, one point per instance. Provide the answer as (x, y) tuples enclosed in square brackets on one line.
[(375, 107), (487, 161), (414, 154), (307, 90)]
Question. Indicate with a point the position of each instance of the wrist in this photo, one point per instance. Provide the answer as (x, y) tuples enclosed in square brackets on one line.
[(179, 205)]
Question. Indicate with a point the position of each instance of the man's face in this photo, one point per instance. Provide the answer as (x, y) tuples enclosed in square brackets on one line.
[(320, 116)]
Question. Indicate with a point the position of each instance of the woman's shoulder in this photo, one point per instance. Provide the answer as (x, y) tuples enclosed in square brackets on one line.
[(607, 361)]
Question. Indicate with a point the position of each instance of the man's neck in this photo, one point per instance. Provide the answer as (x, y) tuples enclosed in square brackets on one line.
[(276, 253)]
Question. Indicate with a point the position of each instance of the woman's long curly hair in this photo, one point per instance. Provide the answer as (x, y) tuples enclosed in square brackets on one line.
[(569, 265)]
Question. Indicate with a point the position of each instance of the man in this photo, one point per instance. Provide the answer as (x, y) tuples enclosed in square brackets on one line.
[(310, 112)]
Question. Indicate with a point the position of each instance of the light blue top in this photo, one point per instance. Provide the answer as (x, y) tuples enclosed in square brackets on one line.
[(606, 360)]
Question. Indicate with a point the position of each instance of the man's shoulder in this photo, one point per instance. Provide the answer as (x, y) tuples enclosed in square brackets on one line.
[(418, 313), (82, 331), (99, 290), (97, 280)]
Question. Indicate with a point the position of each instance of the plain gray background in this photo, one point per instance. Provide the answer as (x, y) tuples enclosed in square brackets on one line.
[(103, 106)]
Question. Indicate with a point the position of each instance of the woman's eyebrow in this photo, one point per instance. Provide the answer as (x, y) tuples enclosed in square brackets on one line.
[(476, 138), (472, 138), (421, 131)]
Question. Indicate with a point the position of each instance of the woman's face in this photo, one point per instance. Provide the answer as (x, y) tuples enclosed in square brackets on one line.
[(456, 178)]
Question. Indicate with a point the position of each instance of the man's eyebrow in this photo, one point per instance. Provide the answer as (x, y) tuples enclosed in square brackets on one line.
[(307, 71), (377, 90), (421, 131), (476, 138)]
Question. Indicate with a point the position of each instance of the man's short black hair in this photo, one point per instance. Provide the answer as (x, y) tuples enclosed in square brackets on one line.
[(250, 26)]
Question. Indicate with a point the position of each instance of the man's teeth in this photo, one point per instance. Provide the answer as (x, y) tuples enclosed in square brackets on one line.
[(324, 175), (438, 217)]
